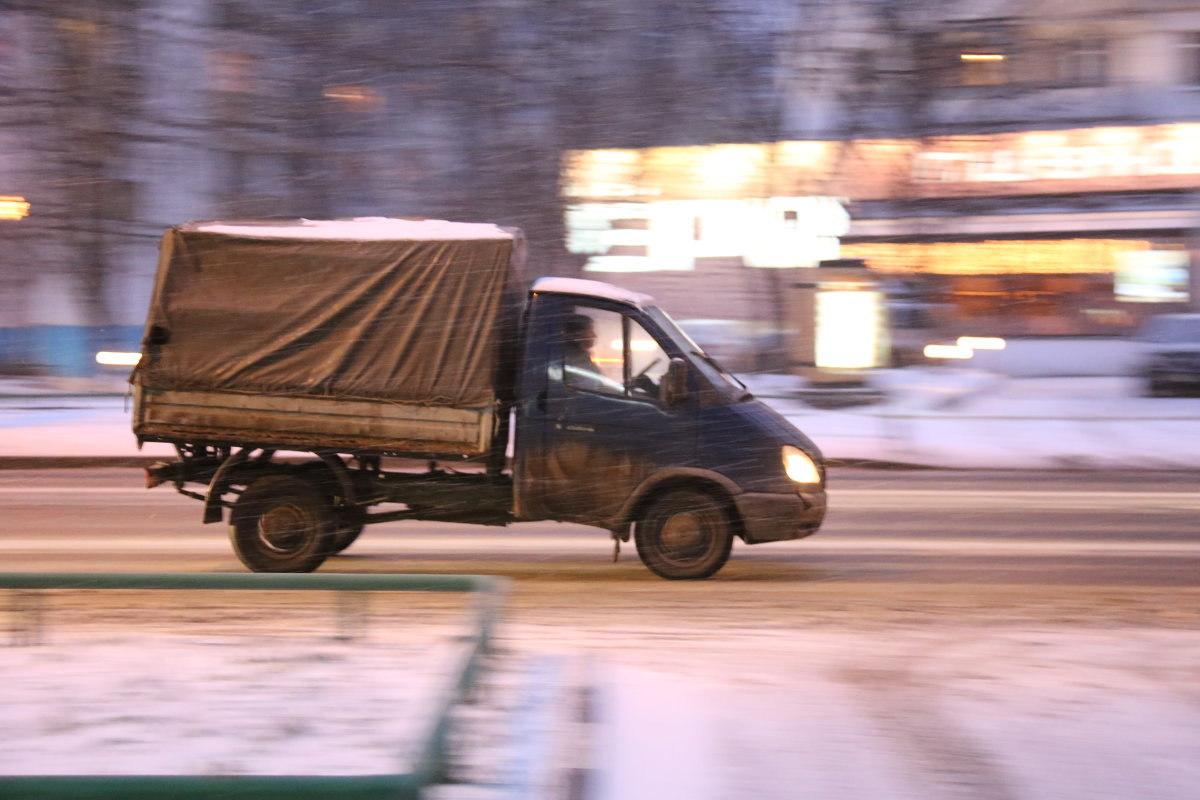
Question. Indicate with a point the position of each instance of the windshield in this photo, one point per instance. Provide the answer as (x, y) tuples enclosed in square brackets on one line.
[(708, 365)]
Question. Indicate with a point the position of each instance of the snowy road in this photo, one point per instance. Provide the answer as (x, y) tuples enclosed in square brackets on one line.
[(946, 637)]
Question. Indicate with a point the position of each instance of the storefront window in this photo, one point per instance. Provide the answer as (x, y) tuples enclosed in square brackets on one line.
[(1020, 288)]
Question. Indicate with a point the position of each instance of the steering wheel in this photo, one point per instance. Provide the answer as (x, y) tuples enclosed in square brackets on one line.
[(646, 368)]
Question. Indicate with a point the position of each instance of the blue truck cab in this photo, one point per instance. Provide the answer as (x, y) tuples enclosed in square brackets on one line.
[(653, 439)]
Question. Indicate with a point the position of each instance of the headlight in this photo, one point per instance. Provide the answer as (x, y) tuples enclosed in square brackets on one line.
[(799, 466)]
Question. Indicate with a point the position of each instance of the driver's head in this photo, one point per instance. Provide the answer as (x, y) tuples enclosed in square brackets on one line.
[(581, 331)]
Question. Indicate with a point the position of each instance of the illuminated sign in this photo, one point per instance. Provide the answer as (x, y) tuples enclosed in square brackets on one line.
[(1087, 154), (1080, 159), (672, 234), (13, 207), (1019, 257), (1152, 276)]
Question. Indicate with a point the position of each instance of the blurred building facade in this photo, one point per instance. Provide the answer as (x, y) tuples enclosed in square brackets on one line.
[(1015, 167), (1051, 159), (1025, 166), (124, 117)]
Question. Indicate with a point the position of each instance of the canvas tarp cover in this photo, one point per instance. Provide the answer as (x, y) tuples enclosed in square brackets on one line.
[(417, 320)]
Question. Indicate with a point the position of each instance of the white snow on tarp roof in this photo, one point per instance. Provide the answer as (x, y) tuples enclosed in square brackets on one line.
[(358, 229)]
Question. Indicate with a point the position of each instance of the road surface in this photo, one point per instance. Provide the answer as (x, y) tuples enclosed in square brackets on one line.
[(947, 635)]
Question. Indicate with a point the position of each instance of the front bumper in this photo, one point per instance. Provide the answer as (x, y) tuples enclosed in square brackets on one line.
[(779, 517)]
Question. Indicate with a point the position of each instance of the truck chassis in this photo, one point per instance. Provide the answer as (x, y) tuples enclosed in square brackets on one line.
[(290, 515)]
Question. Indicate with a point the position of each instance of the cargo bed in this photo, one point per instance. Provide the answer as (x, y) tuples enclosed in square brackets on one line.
[(346, 426)]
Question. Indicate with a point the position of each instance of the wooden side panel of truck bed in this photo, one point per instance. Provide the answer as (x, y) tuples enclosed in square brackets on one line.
[(310, 422)]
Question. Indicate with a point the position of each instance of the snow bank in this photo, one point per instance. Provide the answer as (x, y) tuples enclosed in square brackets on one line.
[(135, 704), (1059, 357)]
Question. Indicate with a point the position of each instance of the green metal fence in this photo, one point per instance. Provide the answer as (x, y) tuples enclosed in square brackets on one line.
[(488, 594)]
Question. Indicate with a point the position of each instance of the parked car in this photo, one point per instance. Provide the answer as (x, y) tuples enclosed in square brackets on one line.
[(1169, 353)]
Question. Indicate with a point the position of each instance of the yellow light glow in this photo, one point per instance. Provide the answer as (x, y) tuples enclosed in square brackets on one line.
[(807, 154), (981, 57), (12, 207), (947, 351), (117, 359), (1104, 157), (355, 97), (1115, 136), (981, 342), (613, 157), (992, 257), (636, 345), (1043, 141), (728, 166), (799, 466)]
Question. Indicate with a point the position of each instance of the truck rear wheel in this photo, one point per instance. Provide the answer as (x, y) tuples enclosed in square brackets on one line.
[(282, 524), (684, 535)]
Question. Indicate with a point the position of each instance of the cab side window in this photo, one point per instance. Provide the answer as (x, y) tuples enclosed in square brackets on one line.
[(648, 362), (610, 353)]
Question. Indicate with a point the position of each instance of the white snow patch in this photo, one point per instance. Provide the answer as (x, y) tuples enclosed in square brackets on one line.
[(136, 704)]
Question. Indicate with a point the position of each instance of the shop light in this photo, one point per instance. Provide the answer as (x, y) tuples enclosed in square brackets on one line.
[(847, 329), (998, 257), (13, 207), (981, 57), (114, 359), (947, 351), (981, 342), (356, 98)]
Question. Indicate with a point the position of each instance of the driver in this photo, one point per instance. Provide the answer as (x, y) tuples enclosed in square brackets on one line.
[(580, 339)]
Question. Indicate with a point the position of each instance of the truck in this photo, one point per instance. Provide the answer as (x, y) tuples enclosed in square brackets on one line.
[(319, 376)]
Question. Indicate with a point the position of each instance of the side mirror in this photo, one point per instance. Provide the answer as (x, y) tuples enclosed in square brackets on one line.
[(675, 383)]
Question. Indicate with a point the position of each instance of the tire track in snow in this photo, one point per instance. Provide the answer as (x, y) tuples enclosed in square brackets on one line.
[(949, 764)]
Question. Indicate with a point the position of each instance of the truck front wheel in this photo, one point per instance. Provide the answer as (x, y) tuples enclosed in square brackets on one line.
[(282, 524), (684, 535)]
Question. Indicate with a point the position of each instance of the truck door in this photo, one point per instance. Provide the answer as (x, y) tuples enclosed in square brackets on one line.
[(597, 428)]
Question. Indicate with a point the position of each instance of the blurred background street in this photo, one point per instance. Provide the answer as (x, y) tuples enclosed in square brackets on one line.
[(810, 187)]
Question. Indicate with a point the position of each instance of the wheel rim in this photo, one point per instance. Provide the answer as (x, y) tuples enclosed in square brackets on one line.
[(683, 537), (284, 529)]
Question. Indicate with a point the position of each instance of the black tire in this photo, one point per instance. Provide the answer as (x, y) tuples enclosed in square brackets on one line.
[(684, 535), (282, 524), (349, 524)]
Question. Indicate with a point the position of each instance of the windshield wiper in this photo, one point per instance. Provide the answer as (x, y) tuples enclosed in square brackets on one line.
[(726, 374)]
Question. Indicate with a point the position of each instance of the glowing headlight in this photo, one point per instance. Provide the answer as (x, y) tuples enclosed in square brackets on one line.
[(798, 466)]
